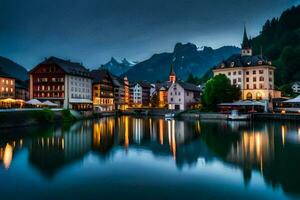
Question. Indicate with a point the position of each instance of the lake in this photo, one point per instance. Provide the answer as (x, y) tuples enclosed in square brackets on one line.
[(150, 158)]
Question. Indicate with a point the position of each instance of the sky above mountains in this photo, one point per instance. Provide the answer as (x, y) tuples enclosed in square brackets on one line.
[(92, 31)]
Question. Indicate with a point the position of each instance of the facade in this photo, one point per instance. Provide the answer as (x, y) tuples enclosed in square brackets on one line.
[(103, 90), (182, 96), (121, 92), (296, 87), (63, 82), (7, 86), (22, 90), (253, 74), (141, 94)]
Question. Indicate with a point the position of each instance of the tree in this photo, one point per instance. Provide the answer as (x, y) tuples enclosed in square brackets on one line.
[(193, 79), (287, 90), (219, 90)]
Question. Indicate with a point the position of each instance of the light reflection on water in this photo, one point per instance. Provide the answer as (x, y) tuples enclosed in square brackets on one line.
[(236, 159)]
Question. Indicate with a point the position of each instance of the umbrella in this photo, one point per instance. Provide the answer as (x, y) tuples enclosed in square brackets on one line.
[(49, 103), (34, 102)]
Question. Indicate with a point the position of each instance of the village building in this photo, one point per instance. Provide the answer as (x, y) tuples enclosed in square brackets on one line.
[(22, 90), (65, 83), (296, 87), (178, 94), (141, 94), (103, 90), (254, 74), (182, 96), (7, 86), (121, 92)]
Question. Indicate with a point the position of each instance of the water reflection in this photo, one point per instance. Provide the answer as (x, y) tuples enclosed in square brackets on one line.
[(271, 149)]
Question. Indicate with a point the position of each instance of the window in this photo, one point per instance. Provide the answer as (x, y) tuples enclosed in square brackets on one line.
[(270, 72), (179, 100), (261, 86), (247, 79), (234, 81), (254, 79), (247, 86), (254, 72), (271, 87), (261, 71), (187, 93), (234, 73), (172, 99), (239, 80), (229, 73), (270, 79), (247, 72), (261, 78), (240, 72), (249, 96), (254, 86)]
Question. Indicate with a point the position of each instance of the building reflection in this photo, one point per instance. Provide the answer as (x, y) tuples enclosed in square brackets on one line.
[(255, 149), (61, 147)]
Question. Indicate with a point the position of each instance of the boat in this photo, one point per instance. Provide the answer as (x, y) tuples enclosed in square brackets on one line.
[(169, 116), (235, 116)]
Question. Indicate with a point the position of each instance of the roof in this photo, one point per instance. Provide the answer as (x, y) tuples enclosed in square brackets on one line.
[(237, 60), (144, 84), (100, 74), (189, 86), (72, 68), (5, 75), (165, 85), (117, 81)]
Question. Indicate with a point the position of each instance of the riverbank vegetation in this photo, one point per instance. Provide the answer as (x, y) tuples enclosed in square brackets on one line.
[(219, 90)]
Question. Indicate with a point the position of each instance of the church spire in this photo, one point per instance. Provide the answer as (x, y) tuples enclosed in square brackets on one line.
[(172, 75), (246, 46)]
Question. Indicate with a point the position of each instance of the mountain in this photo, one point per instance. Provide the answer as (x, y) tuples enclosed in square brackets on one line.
[(279, 40), (186, 59), (15, 70), (118, 68)]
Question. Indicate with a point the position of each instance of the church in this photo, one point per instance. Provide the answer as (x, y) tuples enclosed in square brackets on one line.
[(254, 74)]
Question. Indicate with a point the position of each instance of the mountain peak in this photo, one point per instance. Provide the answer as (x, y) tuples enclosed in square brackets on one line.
[(185, 48)]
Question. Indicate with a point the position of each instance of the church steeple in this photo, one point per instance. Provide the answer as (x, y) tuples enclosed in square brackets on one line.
[(172, 75), (246, 46)]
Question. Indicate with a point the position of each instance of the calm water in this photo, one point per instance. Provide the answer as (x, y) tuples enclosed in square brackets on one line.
[(132, 158)]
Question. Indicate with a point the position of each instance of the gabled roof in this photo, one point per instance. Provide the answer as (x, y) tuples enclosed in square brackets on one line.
[(72, 68), (144, 84), (100, 74), (5, 75), (189, 86)]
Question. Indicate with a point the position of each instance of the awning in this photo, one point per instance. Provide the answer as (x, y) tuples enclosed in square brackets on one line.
[(294, 100), (80, 101), (34, 102), (49, 103)]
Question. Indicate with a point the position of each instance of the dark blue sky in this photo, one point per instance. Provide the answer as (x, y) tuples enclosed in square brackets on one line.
[(92, 31)]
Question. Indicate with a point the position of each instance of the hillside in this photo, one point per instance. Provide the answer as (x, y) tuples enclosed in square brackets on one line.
[(186, 59), (15, 70), (279, 40)]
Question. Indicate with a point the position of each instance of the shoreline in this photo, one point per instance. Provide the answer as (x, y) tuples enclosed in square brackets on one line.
[(23, 118)]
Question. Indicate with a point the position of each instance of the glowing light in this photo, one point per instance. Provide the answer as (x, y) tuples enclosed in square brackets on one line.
[(7, 157)]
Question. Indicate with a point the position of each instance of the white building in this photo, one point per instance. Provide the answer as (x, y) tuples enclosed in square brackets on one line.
[(141, 94), (183, 95), (296, 87), (253, 74)]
